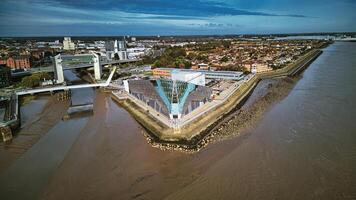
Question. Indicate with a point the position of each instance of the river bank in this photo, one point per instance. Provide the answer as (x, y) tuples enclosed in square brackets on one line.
[(246, 118)]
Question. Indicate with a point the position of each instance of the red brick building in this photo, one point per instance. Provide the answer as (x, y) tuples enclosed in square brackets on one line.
[(16, 62)]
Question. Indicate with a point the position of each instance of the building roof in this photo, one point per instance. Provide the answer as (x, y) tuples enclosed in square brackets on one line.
[(15, 57), (174, 93), (4, 68), (174, 96), (200, 70)]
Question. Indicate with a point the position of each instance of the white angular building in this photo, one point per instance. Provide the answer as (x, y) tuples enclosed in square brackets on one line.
[(120, 49), (68, 44), (196, 78)]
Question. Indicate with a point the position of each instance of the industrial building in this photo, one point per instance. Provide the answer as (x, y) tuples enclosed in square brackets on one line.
[(116, 48), (120, 49), (222, 75), (68, 44), (16, 62), (162, 72)]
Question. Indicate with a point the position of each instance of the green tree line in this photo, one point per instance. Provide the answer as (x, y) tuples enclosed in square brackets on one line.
[(35, 79), (173, 57)]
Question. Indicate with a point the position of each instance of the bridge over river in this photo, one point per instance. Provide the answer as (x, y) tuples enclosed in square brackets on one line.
[(84, 64)]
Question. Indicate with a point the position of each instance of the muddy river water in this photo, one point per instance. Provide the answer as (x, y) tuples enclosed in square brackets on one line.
[(303, 148)]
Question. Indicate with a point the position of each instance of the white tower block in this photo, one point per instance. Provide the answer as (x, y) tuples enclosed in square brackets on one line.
[(116, 49), (59, 68), (97, 66)]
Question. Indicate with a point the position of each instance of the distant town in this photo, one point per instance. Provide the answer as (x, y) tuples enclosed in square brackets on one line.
[(247, 54)]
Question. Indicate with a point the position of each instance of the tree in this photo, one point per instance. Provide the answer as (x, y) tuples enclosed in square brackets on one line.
[(30, 81), (182, 63), (245, 70), (175, 52), (203, 58), (224, 59), (157, 64), (47, 54), (123, 74), (42, 76), (226, 44), (179, 63), (147, 60), (116, 56), (172, 57), (35, 79), (187, 64), (191, 56)]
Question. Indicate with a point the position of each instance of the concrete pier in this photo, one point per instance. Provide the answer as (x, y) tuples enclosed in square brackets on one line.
[(80, 108), (11, 119), (6, 134)]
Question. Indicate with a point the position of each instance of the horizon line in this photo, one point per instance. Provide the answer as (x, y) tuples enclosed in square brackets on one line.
[(159, 35)]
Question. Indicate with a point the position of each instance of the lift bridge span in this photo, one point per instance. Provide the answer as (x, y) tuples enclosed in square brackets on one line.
[(63, 62)]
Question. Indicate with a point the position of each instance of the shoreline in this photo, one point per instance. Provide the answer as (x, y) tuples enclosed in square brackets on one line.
[(209, 131), (245, 119)]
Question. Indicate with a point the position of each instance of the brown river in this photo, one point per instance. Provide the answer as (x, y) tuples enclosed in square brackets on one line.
[(304, 147)]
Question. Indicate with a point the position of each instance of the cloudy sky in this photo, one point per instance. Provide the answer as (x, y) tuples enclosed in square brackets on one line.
[(174, 17)]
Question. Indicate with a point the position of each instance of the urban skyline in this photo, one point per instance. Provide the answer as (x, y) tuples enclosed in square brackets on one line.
[(158, 17)]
